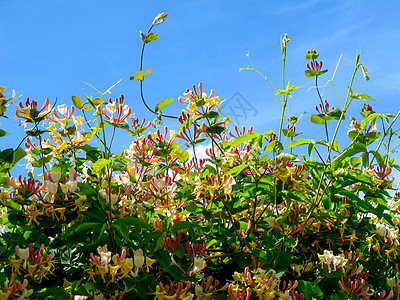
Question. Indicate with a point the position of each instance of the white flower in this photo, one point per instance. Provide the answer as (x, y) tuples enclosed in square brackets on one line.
[(396, 219), (64, 188), (393, 234), (99, 297), (391, 282), (72, 174), (105, 255), (62, 109), (159, 183), (359, 269), (138, 258), (332, 262), (198, 290), (198, 265), (55, 176), (72, 185), (51, 187), (111, 108)]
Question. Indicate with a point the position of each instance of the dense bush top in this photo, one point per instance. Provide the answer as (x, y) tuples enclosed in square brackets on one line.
[(253, 220)]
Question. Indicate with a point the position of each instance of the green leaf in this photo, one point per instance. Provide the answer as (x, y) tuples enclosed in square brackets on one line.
[(361, 96), (132, 221), (355, 162), (312, 73), (311, 55), (77, 102), (275, 145), (331, 114), (335, 146), (138, 76), (294, 194), (299, 142), (79, 229), (244, 138), (163, 259), (57, 293), (349, 152), (97, 101), (87, 107), (353, 175), (175, 271), (121, 230), (365, 71), (40, 162), (18, 154), (237, 169), (183, 225), (147, 38), (7, 155), (148, 71), (98, 231), (3, 133), (100, 164), (288, 89), (290, 133), (163, 104)]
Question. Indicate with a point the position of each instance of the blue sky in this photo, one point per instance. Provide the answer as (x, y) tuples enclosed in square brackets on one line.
[(48, 47)]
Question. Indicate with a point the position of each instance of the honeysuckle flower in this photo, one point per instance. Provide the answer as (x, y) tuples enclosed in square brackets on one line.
[(314, 66), (64, 188), (193, 97), (322, 109), (170, 293), (12, 288), (198, 265), (36, 265), (366, 108), (55, 176), (30, 112), (24, 253), (105, 256), (26, 188), (332, 262), (62, 109), (138, 258), (149, 263), (239, 293), (117, 106)]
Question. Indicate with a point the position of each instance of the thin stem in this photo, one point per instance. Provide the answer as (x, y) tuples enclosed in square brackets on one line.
[(346, 106), (390, 127), (233, 224), (322, 106), (265, 77), (141, 81), (284, 96)]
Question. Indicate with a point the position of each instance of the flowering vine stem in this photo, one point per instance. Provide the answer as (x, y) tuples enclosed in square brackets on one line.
[(284, 42), (322, 103), (96, 134), (233, 224), (345, 107), (385, 134), (315, 204), (141, 81)]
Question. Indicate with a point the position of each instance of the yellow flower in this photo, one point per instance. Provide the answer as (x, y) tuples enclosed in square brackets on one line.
[(31, 268), (4, 296), (113, 272), (15, 264), (52, 127), (160, 294), (192, 107), (149, 262)]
